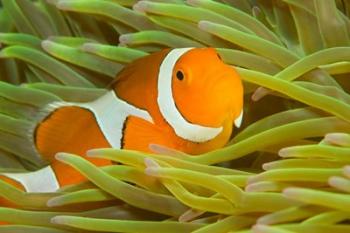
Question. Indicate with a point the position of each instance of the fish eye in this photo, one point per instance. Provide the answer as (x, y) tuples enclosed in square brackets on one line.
[(179, 75)]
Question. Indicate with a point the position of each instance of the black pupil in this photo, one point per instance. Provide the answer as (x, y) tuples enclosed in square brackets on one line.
[(179, 75)]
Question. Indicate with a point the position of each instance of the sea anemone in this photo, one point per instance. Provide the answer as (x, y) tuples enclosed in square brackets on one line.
[(286, 170)]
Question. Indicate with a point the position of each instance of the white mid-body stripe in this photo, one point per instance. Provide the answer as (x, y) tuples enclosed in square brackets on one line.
[(40, 181), (111, 113), (167, 106)]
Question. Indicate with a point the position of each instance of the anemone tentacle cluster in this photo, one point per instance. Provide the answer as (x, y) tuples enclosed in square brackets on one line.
[(286, 170)]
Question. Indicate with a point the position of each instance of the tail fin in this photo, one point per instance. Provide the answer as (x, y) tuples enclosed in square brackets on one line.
[(21, 109)]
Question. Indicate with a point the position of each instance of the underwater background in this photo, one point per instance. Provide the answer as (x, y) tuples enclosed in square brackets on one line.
[(286, 170)]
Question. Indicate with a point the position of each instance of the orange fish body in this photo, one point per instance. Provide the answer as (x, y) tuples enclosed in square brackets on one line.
[(186, 99)]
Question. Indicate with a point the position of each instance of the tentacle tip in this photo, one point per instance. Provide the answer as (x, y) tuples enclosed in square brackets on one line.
[(63, 5), (182, 219), (252, 180), (256, 10), (88, 47), (140, 6), (193, 2), (259, 228), (151, 171), (346, 171), (251, 188), (262, 221), (57, 220), (125, 39), (248, 188), (27, 85), (189, 215), (334, 181), (52, 203), (151, 163), (284, 152), (259, 94), (93, 153), (204, 25), (290, 192), (154, 147), (163, 150), (334, 138), (60, 156), (267, 166), (46, 44)]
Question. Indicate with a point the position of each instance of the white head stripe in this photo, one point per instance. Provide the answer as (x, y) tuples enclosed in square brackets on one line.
[(40, 181), (167, 107), (111, 113), (239, 119)]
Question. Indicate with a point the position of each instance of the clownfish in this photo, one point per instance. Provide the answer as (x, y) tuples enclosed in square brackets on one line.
[(187, 99)]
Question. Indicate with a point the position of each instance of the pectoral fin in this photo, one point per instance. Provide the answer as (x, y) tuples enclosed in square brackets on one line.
[(140, 134)]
